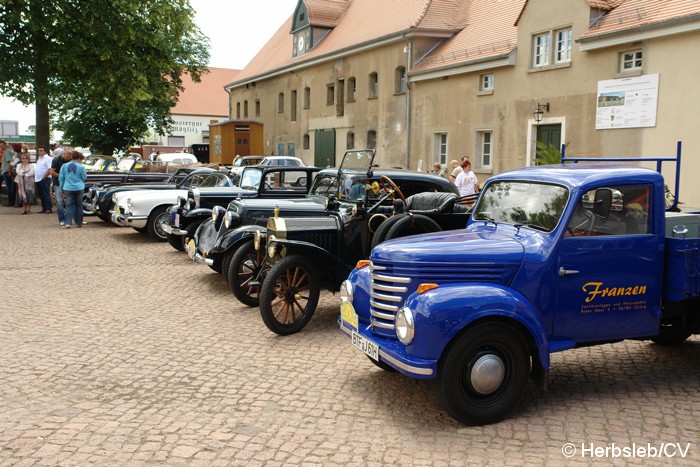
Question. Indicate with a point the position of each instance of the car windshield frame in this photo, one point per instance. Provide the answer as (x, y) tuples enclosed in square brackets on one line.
[(523, 203), (250, 178)]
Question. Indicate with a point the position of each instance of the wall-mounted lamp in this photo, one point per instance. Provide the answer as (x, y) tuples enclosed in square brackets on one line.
[(539, 111)]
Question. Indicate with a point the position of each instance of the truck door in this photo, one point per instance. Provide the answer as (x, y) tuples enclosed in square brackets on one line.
[(609, 270)]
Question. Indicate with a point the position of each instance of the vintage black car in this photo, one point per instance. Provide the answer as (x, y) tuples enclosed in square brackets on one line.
[(190, 212), (129, 170), (98, 200), (306, 254), (231, 233)]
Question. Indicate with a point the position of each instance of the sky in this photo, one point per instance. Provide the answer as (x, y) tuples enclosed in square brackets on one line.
[(237, 30)]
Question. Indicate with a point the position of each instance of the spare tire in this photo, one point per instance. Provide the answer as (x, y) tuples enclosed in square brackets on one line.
[(383, 228), (412, 225)]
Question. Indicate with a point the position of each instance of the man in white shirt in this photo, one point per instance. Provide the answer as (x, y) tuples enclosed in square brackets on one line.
[(42, 179)]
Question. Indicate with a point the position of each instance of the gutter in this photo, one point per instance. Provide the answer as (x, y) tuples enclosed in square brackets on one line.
[(640, 33), (487, 63)]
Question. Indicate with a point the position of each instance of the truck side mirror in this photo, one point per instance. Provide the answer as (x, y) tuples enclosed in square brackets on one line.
[(603, 202)]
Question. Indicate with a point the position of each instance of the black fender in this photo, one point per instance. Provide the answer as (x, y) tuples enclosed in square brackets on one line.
[(234, 237), (197, 213), (326, 262)]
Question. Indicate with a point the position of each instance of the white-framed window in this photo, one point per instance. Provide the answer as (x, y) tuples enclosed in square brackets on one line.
[(486, 82), (562, 51), (552, 47), (440, 148), (631, 60), (484, 149), (541, 50)]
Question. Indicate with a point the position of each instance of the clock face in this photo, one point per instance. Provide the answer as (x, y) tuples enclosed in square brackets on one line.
[(300, 43)]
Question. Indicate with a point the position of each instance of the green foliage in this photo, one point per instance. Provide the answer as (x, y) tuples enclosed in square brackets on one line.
[(106, 69), (548, 154)]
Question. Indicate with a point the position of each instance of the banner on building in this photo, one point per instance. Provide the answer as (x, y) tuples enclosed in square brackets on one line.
[(627, 102)]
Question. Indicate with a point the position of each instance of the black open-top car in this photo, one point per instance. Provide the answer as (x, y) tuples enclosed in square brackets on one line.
[(295, 258)]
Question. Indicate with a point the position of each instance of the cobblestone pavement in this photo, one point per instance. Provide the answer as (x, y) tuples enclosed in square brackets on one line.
[(116, 350)]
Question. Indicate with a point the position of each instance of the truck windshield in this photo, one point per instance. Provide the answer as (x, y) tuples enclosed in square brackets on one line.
[(535, 205)]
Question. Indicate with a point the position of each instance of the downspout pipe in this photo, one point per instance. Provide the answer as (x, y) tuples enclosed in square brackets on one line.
[(409, 61)]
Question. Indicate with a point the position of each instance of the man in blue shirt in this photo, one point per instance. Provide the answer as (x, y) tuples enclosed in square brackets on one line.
[(72, 181)]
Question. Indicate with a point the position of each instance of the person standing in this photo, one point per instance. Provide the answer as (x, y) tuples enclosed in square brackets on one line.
[(457, 168), (466, 181), (42, 172), (72, 182), (26, 194), (7, 172), (55, 171), (437, 170)]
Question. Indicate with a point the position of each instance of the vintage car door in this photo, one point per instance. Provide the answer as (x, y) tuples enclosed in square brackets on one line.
[(609, 271)]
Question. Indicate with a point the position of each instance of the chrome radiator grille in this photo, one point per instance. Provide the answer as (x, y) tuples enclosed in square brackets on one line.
[(387, 294)]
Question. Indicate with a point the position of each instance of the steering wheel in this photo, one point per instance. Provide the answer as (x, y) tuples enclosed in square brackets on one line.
[(391, 183)]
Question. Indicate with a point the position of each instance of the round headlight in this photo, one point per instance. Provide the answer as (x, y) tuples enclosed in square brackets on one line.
[(346, 292), (216, 213), (115, 200), (231, 219), (325, 203), (405, 325), (257, 240)]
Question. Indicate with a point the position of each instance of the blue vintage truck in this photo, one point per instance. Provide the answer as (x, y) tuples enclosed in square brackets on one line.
[(553, 258)]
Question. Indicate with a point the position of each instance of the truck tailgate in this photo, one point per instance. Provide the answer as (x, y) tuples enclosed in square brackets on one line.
[(682, 269)]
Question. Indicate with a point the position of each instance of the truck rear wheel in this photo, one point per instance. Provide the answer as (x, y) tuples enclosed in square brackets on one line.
[(483, 374), (245, 267), (289, 295)]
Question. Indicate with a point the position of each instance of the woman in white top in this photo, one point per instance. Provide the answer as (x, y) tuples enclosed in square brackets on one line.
[(25, 183), (466, 181)]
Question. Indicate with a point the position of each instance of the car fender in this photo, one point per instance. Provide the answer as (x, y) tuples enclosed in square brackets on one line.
[(233, 238), (442, 313), (197, 213), (320, 256)]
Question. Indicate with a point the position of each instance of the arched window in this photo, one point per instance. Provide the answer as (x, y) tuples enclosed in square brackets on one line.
[(350, 142), (306, 143), (373, 85), (371, 139), (400, 85), (352, 84), (238, 110)]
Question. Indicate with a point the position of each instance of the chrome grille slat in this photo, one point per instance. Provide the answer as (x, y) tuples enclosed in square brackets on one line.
[(382, 306), (380, 315), (387, 298), (400, 280), (388, 288), (382, 325)]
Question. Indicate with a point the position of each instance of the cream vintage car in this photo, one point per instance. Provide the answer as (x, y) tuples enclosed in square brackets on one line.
[(147, 210)]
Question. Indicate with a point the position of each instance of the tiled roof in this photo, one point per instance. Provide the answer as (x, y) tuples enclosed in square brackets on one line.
[(326, 12), (362, 22), (636, 14), (488, 31), (208, 97)]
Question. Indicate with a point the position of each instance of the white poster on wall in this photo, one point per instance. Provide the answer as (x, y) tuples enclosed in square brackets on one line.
[(627, 102)]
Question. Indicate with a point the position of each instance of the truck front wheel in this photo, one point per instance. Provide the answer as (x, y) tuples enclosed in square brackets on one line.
[(289, 295), (483, 375)]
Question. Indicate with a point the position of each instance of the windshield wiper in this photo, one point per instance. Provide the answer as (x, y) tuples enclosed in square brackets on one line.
[(541, 228)]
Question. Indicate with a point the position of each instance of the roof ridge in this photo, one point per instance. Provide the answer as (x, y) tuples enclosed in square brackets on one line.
[(423, 13)]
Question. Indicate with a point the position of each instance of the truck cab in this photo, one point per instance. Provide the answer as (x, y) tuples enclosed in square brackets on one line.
[(553, 258)]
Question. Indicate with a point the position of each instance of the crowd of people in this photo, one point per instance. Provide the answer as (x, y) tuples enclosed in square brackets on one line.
[(460, 174), (28, 183)]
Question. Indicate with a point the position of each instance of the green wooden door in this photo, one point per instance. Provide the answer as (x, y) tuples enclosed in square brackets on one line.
[(324, 148), (549, 134)]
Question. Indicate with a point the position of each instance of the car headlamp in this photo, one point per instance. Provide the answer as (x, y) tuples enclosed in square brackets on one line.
[(115, 200), (271, 249), (181, 201), (257, 240), (216, 213), (346, 292), (405, 325), (231, 219)]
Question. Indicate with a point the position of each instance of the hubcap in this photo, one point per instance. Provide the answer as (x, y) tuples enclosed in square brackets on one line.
[(487, 374)]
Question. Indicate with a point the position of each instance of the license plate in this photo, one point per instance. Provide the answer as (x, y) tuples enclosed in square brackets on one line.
[(367, 346), (348, 315), (176, 221)]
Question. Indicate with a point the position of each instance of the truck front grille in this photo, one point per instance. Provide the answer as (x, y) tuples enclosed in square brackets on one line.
[(387, 294)]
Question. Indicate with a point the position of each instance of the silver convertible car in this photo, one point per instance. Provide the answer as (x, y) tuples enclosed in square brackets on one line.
[(147, 210)]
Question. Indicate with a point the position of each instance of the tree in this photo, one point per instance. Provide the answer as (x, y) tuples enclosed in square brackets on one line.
[(107, 69), (548, 153)]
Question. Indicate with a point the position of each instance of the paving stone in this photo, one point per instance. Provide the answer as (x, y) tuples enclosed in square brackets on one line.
[(117, 350)]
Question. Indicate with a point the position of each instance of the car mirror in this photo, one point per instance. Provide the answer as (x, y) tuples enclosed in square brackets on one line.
[(603, 201)]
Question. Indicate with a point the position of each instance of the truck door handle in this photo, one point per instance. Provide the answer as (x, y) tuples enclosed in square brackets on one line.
[(567, 272)]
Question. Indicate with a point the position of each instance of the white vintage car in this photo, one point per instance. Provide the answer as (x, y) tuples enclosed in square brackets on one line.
[(147, 210)]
